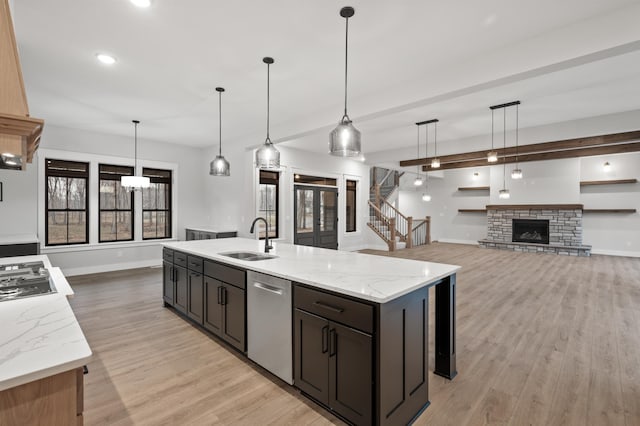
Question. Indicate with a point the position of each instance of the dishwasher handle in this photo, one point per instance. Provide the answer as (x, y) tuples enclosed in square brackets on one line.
[(269, 288)]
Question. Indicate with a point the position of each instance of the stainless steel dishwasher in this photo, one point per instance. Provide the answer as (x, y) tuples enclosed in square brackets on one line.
[(269, 324)]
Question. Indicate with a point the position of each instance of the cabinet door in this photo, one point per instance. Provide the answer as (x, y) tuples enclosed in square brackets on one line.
[(168, 287), (213, 305), (311, 352), (233, 321), (195, 300), (181, 288), (350, 373), (191, 235)]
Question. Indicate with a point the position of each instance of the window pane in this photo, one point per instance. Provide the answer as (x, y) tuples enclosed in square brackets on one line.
[(77, 193), (108, 230), (124, 226), (123, 197), (351, 206), (107, 194), (57, 227), (161, 225), (57, 192), (149, 224), (77, 227), (149, 197), (268, 209), (163, 196)]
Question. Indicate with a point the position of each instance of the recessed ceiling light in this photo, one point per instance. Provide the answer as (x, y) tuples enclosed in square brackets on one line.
[(141, 3), (106, 59)]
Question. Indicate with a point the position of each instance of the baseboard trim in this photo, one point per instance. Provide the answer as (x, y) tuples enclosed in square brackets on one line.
[(615, 253), (96, 269)]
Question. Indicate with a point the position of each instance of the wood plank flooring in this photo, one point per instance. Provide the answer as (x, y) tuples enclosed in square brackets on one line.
[(542, 340)]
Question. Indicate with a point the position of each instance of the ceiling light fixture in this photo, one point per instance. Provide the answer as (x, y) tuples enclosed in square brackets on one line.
[(504, 192), (517, 172), (418, 180), (345, 139), (106, 59), (141, 3), (426, 197), (492, 156), (435, 163), (606, 167), (475, 175), (219, 166), (135, 183), (267, 156)]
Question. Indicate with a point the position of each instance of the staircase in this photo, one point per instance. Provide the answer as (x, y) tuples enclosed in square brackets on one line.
[(397, 230)]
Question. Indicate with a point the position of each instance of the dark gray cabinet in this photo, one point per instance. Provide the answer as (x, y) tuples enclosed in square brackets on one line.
[(333, 361), (225, 301), (195, 300), (181, 282), (195, 234), (168, 284)]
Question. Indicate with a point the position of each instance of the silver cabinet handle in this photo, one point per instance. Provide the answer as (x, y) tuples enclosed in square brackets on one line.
[(267, 287)]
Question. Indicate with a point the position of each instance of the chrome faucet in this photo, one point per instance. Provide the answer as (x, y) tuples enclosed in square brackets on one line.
[(267, 246)]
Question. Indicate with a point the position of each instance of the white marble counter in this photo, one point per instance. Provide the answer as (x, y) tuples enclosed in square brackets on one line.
[(374, 278), (18, 239), (40, 335)]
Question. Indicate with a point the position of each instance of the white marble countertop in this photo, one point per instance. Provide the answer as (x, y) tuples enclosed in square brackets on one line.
[(369, 277), (18, 239), (208, 229), (40, 335)]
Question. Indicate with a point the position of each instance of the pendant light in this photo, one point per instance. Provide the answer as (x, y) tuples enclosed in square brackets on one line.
[(135, 183), (425, 195), (504, 192), (219, 166), (606, 167), (492, 156), (517, 172), (344, 140), (418, 180), (267, 156), (435, 163)]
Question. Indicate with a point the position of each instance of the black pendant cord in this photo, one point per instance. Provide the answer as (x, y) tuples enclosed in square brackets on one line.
[(435, 147), (220, 122), (517, 114), (418, 146), (491, 130), (426, 147), (135, 146), (504, 148), (268, 79), (346, 65)]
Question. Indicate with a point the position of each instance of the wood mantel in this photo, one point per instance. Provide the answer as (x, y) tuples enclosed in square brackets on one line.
[(535, 207)]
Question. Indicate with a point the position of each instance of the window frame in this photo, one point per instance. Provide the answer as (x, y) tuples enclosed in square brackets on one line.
[(169, 211), (68, 174), (276, 183), (116, 210), (355, 205)]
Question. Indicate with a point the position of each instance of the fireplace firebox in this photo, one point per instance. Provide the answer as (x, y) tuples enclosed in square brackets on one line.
[(530, 231)]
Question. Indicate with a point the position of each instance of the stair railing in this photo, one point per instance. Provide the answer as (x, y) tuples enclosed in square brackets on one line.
[(420, 232), (384, 226), (402, 224)]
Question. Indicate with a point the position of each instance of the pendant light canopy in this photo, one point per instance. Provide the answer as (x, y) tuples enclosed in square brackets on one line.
[(492, 156), (517, 172), (345, 139), (267, 156), (418, 180), (135, 183), (435, 163), (219, 166)]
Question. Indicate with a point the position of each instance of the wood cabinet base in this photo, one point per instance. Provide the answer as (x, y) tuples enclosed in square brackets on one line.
[(52, 401)]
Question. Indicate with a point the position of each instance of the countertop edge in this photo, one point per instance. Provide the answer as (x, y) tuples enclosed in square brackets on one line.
[(45, 372)]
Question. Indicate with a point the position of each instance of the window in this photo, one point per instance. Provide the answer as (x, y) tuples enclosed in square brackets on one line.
[(67, 204), (314, 180), (156, 205), (268, 204), (351, 205), (115, 205)]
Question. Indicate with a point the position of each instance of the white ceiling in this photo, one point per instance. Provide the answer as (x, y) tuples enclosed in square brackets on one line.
[(410, 60)]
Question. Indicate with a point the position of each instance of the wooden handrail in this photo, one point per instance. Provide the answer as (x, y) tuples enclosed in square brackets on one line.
[(394, 209)]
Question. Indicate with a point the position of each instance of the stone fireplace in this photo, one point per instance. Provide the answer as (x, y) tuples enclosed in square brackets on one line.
[(545, 228)]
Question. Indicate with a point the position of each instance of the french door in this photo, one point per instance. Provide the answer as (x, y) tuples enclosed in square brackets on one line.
[(316, 216)]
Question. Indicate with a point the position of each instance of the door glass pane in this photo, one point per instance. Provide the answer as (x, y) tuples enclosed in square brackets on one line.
[(304, 216), (327, 210), (108, 230), (57, 223), (77, 227), (268, 208)]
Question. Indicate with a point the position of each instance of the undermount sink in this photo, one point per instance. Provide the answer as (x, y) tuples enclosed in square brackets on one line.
[(248, 255)]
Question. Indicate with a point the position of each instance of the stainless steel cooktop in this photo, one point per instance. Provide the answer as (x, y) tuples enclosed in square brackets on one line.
[(26, 279)]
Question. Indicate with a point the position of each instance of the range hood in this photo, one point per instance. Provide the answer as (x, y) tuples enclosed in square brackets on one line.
[(19, 133)]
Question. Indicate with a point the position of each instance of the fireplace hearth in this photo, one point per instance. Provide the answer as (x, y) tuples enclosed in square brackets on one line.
[(530, 231)]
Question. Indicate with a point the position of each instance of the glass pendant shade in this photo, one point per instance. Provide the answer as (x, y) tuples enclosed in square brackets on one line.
[(219, 166), (133, 183), (504, 194), (492, 157), (418, 181), (516, 174), (435, 163), (344, 140), (426, 197), (267, 156), (606, 167)]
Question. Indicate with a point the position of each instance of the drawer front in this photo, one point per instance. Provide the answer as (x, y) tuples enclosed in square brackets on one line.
[(348, 312), (167, 255), (225, 273), (195, 263), (180, 259)]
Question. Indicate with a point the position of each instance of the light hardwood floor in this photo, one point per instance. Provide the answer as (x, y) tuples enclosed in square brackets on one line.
[(541, 340)]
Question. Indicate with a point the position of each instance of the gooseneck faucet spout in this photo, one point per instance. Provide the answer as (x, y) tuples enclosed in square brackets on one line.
[(267, 246)]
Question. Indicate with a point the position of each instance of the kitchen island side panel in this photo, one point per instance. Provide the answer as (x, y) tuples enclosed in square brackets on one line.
[(402, 390)]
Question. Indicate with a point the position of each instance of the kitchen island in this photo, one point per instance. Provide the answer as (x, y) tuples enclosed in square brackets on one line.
[(42, 354), (360, 332)]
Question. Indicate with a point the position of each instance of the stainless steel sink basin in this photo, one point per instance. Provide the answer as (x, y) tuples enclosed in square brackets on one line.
[(248, 255)]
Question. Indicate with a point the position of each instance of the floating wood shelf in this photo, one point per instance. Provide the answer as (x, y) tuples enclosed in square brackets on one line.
[(473, 188), (472, 210), (625, 211), (607, 182)]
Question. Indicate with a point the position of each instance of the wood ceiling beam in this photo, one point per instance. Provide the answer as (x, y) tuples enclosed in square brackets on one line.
[(567, 144), (543, 156)]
